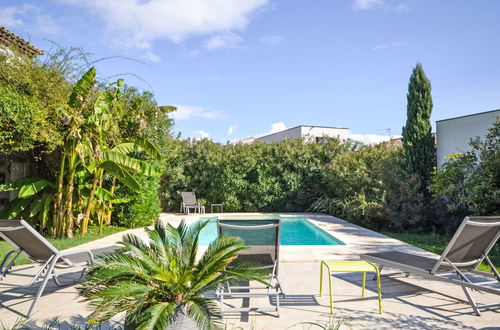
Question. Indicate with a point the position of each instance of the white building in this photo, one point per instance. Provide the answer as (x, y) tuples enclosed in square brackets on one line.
[(454, 134), (309, 133)]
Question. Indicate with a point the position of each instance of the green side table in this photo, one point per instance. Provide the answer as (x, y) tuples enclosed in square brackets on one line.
[(360, 266)]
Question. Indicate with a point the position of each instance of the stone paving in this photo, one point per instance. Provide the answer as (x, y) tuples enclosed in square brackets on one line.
[(408, 303)]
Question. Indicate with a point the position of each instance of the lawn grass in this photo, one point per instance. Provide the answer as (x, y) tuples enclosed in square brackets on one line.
[(65, 243), (437, 243)]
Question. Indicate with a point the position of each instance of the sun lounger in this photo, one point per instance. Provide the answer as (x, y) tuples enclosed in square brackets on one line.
[(262, 238), (189, 202), (458, 264), (29, 242)]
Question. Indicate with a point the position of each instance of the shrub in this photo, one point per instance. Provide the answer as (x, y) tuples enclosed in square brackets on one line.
[(19, 121), (144, 206), (404, 200), (353, 183), (283, 176)]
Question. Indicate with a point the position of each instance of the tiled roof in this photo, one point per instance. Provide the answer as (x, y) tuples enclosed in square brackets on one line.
[(8, 38)]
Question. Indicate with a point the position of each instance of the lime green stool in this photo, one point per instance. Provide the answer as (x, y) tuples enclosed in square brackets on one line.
[(360, 266)]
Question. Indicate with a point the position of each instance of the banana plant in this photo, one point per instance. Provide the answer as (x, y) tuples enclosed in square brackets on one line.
[(118, 164), (91, 149), (112, 160), (72, 153), (34, 200)]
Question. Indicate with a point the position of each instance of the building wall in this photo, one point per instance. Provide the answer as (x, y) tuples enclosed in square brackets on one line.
[(454, 135), (310, 133), (286, 134), (10, 169)]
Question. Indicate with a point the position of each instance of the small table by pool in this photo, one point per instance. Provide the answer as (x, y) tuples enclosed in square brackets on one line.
[(360, 266), (217, 205)]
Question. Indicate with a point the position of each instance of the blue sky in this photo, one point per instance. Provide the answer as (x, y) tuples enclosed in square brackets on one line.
[(242, 68)]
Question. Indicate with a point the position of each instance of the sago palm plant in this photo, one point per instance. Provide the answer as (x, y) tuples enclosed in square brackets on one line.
[(158, 282)]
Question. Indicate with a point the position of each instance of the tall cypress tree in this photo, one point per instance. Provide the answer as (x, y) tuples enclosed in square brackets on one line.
[(418, 141)]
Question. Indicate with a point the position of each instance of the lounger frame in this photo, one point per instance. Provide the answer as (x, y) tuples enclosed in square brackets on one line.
[(47, 269), (461, 271), (272, 290)]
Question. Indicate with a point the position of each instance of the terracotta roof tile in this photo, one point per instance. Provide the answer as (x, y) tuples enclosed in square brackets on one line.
[(9, 39)]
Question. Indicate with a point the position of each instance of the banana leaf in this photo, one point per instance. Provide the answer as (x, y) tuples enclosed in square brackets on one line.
[(33, 188), (17, 184), (15, 207), (148, 147), (121, 174), (82, 88)]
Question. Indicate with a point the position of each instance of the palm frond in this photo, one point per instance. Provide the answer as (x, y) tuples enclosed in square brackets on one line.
[(159, 316), (205, 312), (155, 282)]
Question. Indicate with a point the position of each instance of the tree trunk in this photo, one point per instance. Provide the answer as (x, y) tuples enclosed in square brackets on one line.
[(110, 205), (85, 220), (57, 216), (68, 219)]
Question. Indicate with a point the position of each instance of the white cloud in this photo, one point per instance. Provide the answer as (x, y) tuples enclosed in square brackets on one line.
[(391, 45), (9, 16), (32, 18), (231, 129), (277, 127), (386, 4), (379, 47), (372, 138), (46, 25), (184, 112), (200, 135), (271, 40), (366, 4), (402, 7), (194, 52), (138, 23), (149, 55), (224, 40)]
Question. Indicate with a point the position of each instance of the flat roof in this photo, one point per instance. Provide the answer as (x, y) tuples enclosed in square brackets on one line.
[(298, 127), (474, 114)]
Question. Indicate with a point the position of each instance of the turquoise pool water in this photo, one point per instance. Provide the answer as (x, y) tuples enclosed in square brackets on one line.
[(293, 231)]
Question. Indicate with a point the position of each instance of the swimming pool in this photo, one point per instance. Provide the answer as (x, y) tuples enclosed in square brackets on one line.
[(293, 231)]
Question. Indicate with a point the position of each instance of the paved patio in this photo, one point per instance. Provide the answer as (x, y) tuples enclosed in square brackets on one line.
[(408, 303)]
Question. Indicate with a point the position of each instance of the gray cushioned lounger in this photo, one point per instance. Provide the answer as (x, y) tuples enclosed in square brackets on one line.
[(29, 242), (458, 264), (262, 238)]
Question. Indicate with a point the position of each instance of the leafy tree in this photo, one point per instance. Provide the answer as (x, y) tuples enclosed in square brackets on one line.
[(43, 84), (485, 183), (19, 120), (470, 183), (155, 284), (418, 141)]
